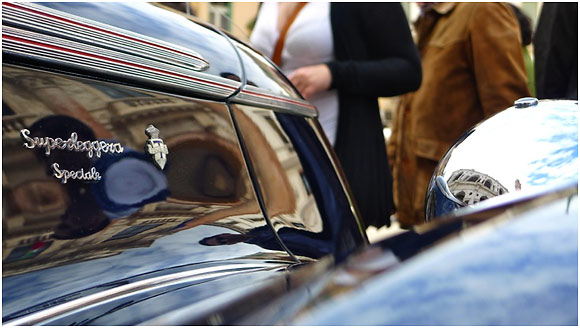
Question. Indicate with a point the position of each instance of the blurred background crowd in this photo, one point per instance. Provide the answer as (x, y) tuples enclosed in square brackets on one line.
[(437, 69)]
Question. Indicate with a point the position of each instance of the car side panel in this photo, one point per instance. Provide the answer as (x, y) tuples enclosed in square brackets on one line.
[(61, 238)]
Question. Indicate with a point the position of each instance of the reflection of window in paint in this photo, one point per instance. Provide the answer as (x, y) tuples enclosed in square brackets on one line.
[(132, 231), (306, 184), (117, 93), (218, 14), (482, 198), (6, 110), (460, 195), (487, 183), (473, 178), (218, 181), (211, 173), (276, 128), (27, 252)]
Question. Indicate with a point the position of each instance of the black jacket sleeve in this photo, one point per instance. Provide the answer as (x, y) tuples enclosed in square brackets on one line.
[(556, 51), (375, 53)]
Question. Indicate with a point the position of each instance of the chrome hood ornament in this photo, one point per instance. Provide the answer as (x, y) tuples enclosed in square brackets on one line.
[(155, 147)]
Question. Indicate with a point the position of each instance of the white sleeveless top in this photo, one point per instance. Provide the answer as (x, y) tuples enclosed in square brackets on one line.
[(308, 42)]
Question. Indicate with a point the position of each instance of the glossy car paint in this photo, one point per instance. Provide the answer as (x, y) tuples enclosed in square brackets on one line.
[(198, 231), (492, 265), (145, 263), (137, 219), (520, 268), (508, 260), (517, 150)]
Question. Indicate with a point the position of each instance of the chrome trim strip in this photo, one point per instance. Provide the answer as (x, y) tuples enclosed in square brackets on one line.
[(191, 276), (259, 97), (46, 34), (40, 46), (31, 16)]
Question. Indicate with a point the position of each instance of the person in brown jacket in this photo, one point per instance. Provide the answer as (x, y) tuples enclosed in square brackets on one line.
[(473, 67)]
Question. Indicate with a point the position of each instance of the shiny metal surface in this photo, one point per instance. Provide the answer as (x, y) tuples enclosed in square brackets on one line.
[(147, 46), (256, 97), (137, 220), (519, 268), (145, 285), (43, 46), (139, 237), (519, 149), (514, 264), (152, 22), (31, 16), (526, 102)]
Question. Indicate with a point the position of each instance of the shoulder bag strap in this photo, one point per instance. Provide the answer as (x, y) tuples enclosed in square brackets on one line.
[(277, 55)]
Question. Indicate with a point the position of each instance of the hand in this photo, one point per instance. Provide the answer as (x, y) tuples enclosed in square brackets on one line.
[(310, 80)]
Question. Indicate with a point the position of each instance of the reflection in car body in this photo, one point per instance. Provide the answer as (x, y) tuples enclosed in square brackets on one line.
[(175, 177)]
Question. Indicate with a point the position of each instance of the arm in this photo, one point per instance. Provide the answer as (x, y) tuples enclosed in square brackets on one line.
[(394, 66), (497, 57)]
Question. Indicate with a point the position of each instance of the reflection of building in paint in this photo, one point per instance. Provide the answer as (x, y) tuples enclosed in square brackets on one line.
[(303, 212), (119, 236), (472, 187), (126, 113), (34, 201)]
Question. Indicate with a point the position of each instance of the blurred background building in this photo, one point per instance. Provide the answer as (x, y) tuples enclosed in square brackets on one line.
[(238, 17)]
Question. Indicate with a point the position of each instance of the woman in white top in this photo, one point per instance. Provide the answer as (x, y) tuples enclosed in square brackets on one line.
[(308, 42), (341, 57)]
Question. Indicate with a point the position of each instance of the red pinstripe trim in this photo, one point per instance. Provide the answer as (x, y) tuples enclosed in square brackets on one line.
[(278, 99), (82, 53), (101, 30), (122, 62)]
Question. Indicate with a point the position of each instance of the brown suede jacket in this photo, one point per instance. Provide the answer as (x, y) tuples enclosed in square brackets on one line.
[(473, 67)]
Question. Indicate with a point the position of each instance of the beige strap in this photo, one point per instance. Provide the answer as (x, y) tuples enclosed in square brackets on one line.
[(277, 55)]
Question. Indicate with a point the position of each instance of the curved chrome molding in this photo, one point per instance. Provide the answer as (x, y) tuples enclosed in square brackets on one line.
[(259, 97), (191, 276), (33, 31), (48, 48), (32, 17), (51, 47), (444, 188)]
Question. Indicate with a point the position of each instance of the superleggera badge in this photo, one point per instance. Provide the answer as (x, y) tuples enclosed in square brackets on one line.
[(155, 147), (92, 148)]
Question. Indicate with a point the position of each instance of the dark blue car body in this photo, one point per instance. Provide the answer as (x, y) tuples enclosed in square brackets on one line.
[(250, 220)]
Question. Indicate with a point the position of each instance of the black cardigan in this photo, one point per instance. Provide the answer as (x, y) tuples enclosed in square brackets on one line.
[(374, 57)]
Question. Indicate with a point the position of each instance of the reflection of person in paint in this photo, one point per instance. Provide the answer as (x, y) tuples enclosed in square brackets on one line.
[(129, 182), (301, 242)]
